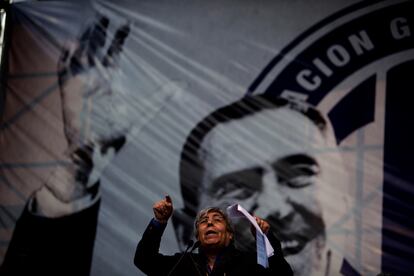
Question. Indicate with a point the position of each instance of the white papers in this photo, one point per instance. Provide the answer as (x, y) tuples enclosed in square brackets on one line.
[(261, 249), (264, 248)]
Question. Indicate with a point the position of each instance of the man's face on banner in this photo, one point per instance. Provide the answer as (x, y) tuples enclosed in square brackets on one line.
[(274, 163)]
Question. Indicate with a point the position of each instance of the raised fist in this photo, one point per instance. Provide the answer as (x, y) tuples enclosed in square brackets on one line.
[(163, 209)]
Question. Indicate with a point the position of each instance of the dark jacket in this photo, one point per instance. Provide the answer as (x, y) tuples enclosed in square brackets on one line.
[(232, 262), (52, 246)]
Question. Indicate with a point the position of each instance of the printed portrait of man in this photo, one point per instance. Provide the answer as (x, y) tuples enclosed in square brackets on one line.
[(57, 226), (278, 159)]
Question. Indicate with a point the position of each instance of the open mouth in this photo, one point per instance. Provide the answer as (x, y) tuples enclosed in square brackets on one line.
[(293, 245), (294, 242), (210, 233), (297, 229)]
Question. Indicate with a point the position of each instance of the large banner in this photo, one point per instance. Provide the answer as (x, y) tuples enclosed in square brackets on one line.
[(299, 111)]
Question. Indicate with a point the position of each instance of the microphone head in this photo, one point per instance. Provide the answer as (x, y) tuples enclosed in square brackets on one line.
[(190, 243), (196, 245)]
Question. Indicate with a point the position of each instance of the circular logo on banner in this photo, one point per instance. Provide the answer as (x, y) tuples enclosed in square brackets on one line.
[(348, 53), (354, 66)]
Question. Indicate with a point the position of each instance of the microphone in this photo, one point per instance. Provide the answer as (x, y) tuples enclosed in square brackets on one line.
[(195, 264), (191, 245), (196, 245)]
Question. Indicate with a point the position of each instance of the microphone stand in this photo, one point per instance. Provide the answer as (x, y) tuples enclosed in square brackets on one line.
[(191, 245), (197, 244)]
